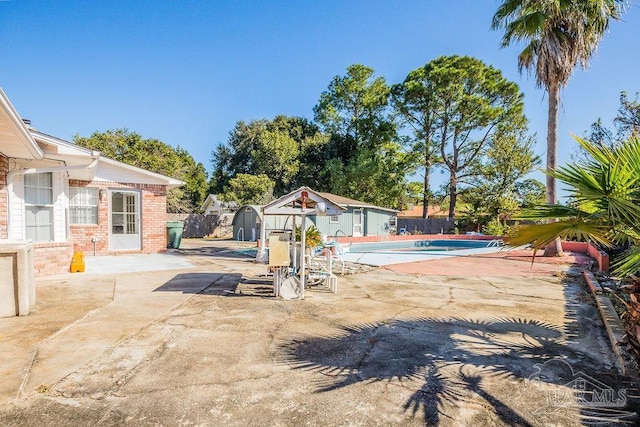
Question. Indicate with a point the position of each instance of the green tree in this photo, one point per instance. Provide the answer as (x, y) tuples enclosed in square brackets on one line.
[(415, 192), (290, 150), (529, 193), (471, 102), (156, 156), (628, 118), (493, 192), (364, 160), (354, 110), (626, 122), (246, 189), (415, 101), (559, 35), (277, 156), (314, 155)]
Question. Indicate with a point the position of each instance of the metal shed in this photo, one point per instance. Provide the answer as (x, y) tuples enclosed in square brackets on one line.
[(249, 219)]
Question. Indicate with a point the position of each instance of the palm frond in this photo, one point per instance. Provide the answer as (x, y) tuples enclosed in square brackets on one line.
[(542, 212), (629, 262), (539, 235)]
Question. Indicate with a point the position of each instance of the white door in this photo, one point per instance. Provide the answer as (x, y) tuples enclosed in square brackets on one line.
[(124, 220), (357, 222)]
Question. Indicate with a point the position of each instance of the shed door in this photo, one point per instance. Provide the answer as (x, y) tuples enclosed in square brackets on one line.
[(124, 227), (357, 222)]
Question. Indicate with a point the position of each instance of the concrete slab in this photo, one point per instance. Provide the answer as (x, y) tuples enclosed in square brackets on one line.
[(209, 346), (134, 262)]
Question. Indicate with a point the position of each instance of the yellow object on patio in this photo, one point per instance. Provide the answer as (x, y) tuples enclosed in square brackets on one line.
[(77, 262)]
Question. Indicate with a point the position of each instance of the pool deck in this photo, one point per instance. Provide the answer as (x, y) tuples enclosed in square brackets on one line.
[(200, 340), (389, 257)]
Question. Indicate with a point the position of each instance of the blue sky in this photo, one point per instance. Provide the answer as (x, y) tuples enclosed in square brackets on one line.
[(186, 71)]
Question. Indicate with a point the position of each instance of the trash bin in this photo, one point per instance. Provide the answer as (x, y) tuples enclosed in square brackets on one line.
[(174, 234)]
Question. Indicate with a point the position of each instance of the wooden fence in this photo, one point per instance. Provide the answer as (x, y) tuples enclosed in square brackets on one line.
[(426, 225), (200, 225)]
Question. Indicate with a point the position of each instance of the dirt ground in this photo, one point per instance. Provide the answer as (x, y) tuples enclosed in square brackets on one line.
[(455, 344)]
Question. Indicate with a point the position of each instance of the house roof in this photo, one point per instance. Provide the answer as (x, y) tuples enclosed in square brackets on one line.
[(304, 200), (103, 169), (416, 212), (345, 201), (46, 152), (212, 199), (15, 139)]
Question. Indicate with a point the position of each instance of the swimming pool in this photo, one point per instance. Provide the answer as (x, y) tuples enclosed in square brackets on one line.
[(423, 245), (398, 252)]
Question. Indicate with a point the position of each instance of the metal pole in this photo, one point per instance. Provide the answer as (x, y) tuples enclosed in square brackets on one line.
[(303, 238), (295, 247)]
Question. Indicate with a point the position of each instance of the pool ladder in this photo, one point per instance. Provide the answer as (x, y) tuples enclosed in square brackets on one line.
[(495, 243)]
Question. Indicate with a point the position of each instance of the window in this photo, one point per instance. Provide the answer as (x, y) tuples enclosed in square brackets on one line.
[(333, 219), (38, 206), (83, 205)]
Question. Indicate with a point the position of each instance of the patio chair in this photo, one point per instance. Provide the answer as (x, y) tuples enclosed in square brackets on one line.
[(331, 254), (319, 271)]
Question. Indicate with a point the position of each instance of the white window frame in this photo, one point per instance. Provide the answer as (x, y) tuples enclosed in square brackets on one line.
[(84, 194), (37, 206), (334, 219)]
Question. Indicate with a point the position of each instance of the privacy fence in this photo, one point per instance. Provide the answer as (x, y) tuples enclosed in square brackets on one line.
[(200, 225), (426, 225)]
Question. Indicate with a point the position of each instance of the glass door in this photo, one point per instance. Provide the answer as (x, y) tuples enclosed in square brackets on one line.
[(124, 227)]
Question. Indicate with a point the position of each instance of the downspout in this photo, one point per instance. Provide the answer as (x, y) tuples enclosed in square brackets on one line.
[(30, 171)]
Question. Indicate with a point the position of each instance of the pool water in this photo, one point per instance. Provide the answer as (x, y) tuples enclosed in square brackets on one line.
[(422, 245)]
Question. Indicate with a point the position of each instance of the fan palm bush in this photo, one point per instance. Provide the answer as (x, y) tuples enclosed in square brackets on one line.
[(313, 237), (605, 204), (605, 209)]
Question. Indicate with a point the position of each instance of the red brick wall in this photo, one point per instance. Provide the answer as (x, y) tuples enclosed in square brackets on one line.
[(4, 195), (52, 258), (153, 219)]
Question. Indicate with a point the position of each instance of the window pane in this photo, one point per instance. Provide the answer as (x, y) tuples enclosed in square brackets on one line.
[(38, 189), (39, 223), (45, 196), (83, 205), (116, 202), (45, 179), (31, 179), (31, 195), (117, 223)]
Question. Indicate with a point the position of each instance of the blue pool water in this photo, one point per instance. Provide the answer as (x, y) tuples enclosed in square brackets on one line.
[(397, 252), (421, 245)]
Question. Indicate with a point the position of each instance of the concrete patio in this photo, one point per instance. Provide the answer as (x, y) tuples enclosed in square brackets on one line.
[(200, 341)]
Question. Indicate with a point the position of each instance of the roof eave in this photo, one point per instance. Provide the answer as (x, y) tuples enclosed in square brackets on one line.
[(23, 132)]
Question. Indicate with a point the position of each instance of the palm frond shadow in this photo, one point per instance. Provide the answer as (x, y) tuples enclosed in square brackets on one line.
[(424, 353)]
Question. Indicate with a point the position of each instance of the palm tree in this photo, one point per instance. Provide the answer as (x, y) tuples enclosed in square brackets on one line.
[(605, 207), (560, 34)]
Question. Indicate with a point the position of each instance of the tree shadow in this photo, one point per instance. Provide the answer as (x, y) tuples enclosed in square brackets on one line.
[(448, 358)]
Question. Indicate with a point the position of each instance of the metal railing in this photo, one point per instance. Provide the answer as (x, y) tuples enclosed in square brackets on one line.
[(495, 243)]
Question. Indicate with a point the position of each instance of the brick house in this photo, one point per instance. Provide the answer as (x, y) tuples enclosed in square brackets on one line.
[(66, 198)]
